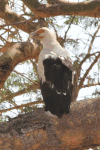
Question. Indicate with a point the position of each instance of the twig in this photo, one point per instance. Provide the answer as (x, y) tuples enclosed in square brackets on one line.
[(24, 76), (93, 38), (88, 70), (88, 85), (15, 23), (21, 106), (69, 27), (20, 92), (34, 66), (86, 57)]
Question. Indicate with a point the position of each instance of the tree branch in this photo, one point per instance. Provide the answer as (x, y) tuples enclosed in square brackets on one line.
[(88, 70), (34, 86), (69, 27), (90, 84), (89, 49), (14, 55), (22, 74), (16, 23), (34, 67), (86, 57), (80, 129), (21, 106), (89, 8), (13, 18), (6, 46), (93, 38)]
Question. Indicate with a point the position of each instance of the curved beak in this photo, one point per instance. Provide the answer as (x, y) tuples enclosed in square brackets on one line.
[(33, 35)]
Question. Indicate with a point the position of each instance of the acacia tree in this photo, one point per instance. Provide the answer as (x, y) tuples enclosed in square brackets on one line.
[(80, 128)]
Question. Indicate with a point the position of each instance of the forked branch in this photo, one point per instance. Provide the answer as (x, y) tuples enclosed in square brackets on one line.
[(88, 70)]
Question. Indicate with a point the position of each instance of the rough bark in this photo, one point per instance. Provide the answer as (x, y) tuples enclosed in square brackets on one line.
[(77, 130), (89, 8), (14, 55)]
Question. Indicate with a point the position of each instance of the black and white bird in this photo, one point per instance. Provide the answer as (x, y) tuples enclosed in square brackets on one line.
[(55, 73)]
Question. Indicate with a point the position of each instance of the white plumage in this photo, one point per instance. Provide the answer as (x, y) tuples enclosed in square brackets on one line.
[(55, 73)]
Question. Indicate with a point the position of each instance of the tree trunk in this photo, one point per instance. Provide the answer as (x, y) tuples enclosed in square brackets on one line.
[(77, 130)]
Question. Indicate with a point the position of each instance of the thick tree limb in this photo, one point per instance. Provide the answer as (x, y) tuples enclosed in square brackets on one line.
[(80, 129), (5, 47), (14, 55), (89, 8)]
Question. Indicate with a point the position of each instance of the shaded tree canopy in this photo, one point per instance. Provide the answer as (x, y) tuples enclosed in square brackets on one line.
[(76, 25)]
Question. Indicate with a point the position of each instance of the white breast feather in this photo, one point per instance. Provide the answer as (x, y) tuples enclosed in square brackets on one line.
[(53, 49)]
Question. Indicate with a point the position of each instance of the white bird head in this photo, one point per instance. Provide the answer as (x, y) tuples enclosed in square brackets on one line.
[(45, 35)]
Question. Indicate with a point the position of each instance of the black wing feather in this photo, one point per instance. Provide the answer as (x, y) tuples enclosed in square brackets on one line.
[(57, 89)]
